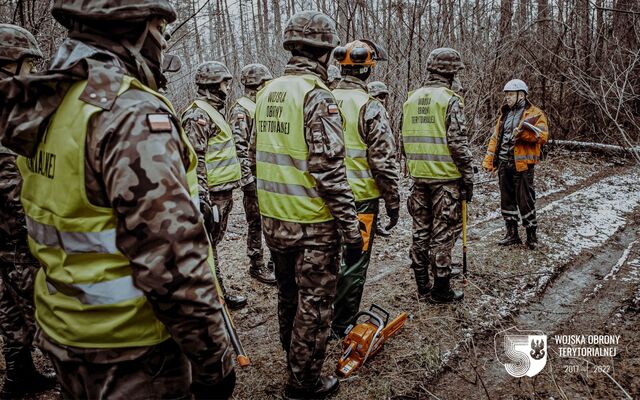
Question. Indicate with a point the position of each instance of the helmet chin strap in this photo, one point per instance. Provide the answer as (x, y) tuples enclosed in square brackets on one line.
[(144, 71)]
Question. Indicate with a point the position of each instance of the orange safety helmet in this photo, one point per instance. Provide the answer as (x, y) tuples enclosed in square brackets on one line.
[(359, 53)]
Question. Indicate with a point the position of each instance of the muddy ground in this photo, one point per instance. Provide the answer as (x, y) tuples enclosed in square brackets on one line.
[(583, 280)]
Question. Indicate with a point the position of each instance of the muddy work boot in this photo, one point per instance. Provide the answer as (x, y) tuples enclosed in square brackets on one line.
[(422, 281), (532, 237), (442, 292), (325, 387), (234, 302), (262, 274), (512, 236), (22, 377)]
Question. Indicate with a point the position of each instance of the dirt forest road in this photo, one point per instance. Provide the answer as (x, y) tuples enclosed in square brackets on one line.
[(590, 217), (583, 280)]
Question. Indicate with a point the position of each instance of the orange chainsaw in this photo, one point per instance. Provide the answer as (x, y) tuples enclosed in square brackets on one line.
[(363, 340)]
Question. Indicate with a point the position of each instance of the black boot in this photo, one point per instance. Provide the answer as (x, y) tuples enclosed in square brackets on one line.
[(422, 281), (22, 377), (512, 236), (532, 237), (326, 386), (262, 274), (234, 302), (443, 293)]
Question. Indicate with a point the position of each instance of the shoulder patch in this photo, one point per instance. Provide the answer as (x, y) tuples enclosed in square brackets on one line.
[(332, 108), (201, 121), (159, 122)]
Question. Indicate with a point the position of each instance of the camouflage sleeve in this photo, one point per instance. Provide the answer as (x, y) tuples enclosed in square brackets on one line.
[(324, 135), (240, 123), (160, 230), (197, 125), (252, 150), (457, 139), (381, 153)]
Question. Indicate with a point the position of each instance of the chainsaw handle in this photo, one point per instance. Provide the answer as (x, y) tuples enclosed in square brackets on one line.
[(382, 310), (375, 317)]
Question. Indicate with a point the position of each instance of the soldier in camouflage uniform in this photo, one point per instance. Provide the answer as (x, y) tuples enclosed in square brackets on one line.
[(126, 303), (252, 77), (372, 171), (434, 135), (306, 203), (378, 90), (333, 76), (219, 168), (18, 51)]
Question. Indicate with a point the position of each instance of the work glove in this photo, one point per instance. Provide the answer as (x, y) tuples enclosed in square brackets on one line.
[(250, 187), (394, 216), (220, 390), (352, 252), (467, 190)]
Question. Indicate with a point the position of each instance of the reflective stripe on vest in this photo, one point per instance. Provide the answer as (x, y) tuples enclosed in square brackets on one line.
[(248, 105), (286, 189), (424, 134), (221, 158), (359, 173), (84, 294)]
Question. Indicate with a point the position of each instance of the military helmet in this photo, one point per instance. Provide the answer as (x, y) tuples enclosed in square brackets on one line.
[(101, 11), (516, 85), (444, 60), (255, 75), (310, 28), (377, 88), (17, 43), (212, 72)]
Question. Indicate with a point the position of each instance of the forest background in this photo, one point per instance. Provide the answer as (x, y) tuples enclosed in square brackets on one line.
[(580, 58)]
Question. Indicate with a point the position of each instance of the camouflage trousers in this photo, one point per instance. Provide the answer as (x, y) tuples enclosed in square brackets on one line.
[(307, 279), (254, 227), (160, 372), (223, 201), (436, 210), (352, 277), (17, 266)]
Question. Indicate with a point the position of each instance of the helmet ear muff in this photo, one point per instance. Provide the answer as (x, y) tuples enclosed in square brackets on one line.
[(359, 55), (340, 53)]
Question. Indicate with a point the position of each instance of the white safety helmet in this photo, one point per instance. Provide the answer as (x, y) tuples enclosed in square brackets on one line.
[(516, 85)]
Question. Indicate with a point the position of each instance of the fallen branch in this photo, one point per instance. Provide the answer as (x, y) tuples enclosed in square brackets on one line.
[(597, 147)]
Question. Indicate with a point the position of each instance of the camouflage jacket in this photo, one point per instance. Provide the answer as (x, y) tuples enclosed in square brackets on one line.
[(241, 124), (326, 165), (139, 171), (200, 128), (375, 130), (457, 132)]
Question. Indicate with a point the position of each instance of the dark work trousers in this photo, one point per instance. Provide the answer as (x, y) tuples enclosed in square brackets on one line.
[(517, 194), (352, 277)]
